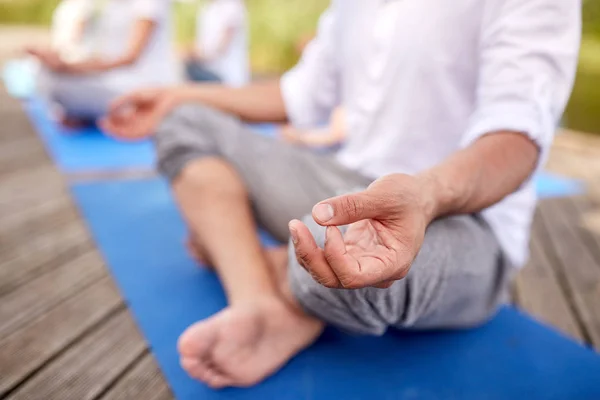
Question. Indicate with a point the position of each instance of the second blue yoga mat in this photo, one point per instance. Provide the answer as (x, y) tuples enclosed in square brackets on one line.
[(138, 229), (88, 149)]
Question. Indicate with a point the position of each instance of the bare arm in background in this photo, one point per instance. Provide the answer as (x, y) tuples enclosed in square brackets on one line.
[(137, 114)]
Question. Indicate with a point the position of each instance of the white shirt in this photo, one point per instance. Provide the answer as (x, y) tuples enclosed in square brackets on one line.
[(67, 19), (421, 79), (214, 20), (112, 30)]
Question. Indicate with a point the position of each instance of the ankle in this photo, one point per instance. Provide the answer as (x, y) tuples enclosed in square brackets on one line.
[(258, 299)]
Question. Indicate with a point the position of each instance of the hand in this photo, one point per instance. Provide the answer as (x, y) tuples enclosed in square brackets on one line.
[(289, 134), (387, 227), (90, 66), (136, 115), (48, 57)]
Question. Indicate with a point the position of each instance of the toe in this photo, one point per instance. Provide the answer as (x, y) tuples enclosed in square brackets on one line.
[(216, 379), (196, 342), (205, 372), (195, 368)]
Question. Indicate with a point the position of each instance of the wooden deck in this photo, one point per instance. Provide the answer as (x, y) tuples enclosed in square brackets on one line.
[(65, 332)]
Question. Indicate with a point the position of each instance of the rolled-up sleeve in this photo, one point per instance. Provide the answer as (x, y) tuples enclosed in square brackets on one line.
[(529, 52), (311, 89)]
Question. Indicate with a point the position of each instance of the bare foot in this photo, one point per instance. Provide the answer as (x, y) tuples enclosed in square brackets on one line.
[(242, 345), (73, 123)]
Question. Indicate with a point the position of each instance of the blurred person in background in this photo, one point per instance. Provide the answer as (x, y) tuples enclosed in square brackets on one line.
[(129, 47), (220, 52), (418, 222)]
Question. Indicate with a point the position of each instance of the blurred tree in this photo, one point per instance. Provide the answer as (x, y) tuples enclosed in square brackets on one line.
[(591, 17)]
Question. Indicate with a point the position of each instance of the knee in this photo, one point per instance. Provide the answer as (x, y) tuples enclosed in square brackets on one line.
[(181, 116), (181, 138)]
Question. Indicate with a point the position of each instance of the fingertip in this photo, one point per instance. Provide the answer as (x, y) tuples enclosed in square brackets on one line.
[(293, 232), (294, 224), (333, 236), (322, 213)]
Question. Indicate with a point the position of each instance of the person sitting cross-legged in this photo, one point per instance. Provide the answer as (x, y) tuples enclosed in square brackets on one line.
[(419, 220), (122, 45)]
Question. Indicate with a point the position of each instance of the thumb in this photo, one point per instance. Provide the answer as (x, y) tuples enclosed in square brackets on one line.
[(347, 209)]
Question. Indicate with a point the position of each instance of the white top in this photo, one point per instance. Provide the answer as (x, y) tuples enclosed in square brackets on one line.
[(214, 20), (66, 21), (112, 27), (422, 78)]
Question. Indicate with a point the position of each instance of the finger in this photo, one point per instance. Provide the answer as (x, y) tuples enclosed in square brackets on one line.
[(347, 209), (113, 128), (117, 105), (310, 256), (345, 267)]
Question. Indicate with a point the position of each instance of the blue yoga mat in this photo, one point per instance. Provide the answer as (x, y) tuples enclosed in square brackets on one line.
[(87, 149), (138, 229)]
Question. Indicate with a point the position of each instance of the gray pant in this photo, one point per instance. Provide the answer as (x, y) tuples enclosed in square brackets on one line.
[(458, 279)]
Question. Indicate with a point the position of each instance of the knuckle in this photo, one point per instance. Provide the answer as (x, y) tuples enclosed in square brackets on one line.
[(352, 206), (303, 256)]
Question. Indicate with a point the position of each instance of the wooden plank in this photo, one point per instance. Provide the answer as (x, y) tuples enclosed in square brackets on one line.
[(143, 381), (539, 292), (589, 210), (48, 290), (41, 253), (90, 367), (21, 153), (52, 205), (31, 186), (27, 349), (577, 267), (21, 230)]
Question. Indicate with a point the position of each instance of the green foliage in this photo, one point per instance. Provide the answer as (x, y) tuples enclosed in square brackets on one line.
[(31, 12), (275, 25), (591, 18)]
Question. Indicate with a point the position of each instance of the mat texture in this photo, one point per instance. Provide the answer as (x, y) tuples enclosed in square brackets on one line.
[(138, 230)]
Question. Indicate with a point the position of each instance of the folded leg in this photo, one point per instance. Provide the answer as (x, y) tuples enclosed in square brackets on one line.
[(458, 280), (226, 178)]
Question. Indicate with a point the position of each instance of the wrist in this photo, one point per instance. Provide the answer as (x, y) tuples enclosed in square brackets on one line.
[(432, 195)]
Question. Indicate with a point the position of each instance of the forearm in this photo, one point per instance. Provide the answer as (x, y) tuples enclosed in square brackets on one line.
[(479, 176), (257, 102)]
